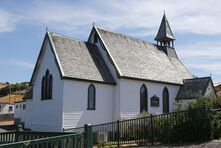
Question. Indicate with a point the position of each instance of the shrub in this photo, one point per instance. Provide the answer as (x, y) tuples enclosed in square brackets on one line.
[(216, 124), (215, 118)]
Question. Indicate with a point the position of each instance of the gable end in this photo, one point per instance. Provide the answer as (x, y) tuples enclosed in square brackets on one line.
[(46, 40)]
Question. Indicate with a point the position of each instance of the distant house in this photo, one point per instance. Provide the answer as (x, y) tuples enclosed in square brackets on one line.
[(6, 108), (195, 88), (107, 78), (19, 115), (218, 88)]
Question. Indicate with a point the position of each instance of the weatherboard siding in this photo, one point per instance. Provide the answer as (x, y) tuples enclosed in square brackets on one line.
[(130, 97), (28, 113), (75, 113), (210, 91), (19, 112), (47, 114)]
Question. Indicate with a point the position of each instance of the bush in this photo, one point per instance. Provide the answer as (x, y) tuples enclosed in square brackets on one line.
[(216, 124), (185, 126), (215, 118)]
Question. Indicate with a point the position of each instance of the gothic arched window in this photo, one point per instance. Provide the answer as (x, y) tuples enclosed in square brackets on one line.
[(165, 100), (91, 97), (46, 86), (143, 99), (43, 87)]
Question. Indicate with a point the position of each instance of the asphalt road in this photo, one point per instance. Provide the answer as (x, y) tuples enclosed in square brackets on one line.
[(209, 144)]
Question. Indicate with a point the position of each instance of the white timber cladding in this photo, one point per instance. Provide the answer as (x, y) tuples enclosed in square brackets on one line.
[(20, 111), (75, 113), (47, 114), (6, 108), (28, 114), (130, 97), (210, 91)]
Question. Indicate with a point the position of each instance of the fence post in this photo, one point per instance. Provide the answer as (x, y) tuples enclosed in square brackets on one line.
[(151, 128), (88, 136), (210, 126), (118, 133)]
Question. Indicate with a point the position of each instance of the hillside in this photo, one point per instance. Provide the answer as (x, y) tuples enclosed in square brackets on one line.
[(13, 92), (12, 98), (2, 85)]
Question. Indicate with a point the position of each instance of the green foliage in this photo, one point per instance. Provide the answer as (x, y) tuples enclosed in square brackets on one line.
[(10, 88), (178, 106), (183, 126), (210, 103), (216, 103), (204, 102), (216, 124)]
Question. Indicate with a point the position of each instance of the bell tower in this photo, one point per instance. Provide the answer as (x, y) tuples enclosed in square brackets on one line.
[(165, 36)]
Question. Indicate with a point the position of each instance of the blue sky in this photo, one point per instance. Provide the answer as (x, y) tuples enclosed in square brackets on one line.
[(195, 24)]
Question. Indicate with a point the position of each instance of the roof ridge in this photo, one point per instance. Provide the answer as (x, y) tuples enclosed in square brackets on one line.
[(198, 78), (70, 38), (125, 35)]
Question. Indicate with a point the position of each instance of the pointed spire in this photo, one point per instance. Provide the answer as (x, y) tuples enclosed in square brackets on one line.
[(164, 33)]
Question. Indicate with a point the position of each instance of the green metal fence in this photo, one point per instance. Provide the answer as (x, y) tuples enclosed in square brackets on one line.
[(176, 127), (27, 139), (16, 136), (62, 141)]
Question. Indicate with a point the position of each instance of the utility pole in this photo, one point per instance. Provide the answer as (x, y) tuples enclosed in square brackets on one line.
[(9, 93)]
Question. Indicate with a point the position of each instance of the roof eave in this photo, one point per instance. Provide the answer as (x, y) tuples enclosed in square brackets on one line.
[(88, 80), (155, 81)]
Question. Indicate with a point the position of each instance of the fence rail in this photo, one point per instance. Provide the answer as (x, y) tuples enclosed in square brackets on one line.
[(16, 136), (62, 141)]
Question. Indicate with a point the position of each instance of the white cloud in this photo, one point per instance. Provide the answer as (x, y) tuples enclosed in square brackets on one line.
[(8, 21), (14, 62), (201, 17), (205, 49), (203, 58), (138, 18)]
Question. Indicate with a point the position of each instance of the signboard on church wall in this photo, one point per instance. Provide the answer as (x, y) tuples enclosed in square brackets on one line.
[(155, 101)]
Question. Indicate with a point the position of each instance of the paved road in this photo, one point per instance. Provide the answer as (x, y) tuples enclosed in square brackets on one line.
[(210, 144)]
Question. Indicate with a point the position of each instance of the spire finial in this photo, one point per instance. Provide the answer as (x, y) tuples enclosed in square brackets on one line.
[(93, 24), (46, 28), (164, 11)]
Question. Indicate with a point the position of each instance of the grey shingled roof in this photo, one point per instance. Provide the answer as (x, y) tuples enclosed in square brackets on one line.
[(193, 88), (135, 58), (164, 31), (80, 60)]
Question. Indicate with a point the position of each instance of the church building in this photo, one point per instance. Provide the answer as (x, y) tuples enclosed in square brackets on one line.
[(109, 77)]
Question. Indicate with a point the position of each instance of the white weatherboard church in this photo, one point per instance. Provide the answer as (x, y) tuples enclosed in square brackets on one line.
[(107, 78)]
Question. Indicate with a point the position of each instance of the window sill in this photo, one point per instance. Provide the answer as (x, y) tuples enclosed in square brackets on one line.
[(91, 109), (46, 99)]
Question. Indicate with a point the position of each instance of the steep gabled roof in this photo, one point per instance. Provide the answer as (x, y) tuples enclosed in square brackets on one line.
[(193, 88), (164, 32), (77, 60), (138, 59)]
